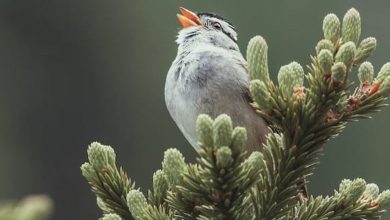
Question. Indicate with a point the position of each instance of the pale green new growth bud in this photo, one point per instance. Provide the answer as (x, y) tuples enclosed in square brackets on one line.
[(224, 157), (372, 191), (222, 131), (385, 87), (289, 77), (324, 45), (325, 59), (366, 72), (257, 59), (384, 72), (204, 130), (260, 94), (160, 184), (254, 161), (346, 53), (365, 49), (136, 202), (88, 171), (101, 156), (173, 166), (111, 217), (101, 204), (331, 27), (384, 198), (298, 73), (344, 185), (239, 139), (351, 26), (339, 71), (356, 189)]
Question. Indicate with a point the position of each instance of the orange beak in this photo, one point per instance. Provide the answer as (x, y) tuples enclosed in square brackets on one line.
[(188, 18)]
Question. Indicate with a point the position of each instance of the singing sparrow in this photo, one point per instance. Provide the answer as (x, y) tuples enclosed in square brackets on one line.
[(209, 76)]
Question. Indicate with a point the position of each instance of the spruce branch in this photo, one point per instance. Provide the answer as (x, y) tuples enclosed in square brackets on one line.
[(354, 200), (115, 192), (305, 109), (110, 184), (219, 184), (309, 116)]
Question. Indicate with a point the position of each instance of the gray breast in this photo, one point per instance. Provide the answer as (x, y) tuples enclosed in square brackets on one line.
[(210, 82)]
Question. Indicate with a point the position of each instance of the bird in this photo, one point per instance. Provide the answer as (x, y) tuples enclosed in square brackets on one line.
[(209, 76)]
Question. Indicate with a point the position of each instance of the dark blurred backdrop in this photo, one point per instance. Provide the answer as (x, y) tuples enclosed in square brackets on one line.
[(72, 72)]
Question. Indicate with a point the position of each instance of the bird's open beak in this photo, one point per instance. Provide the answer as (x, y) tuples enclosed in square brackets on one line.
[(188, 18)]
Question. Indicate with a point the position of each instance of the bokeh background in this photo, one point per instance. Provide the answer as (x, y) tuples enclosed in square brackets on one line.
[(72, 72)]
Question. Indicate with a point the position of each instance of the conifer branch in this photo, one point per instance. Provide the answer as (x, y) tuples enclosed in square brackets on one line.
[(354, 200), (110, 184), (304, 110), (219, 184), (309, 117)]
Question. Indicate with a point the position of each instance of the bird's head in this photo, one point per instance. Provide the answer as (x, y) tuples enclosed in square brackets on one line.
[(205, 28)]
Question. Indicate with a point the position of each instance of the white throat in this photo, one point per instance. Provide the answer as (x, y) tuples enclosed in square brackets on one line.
[(191, 38)]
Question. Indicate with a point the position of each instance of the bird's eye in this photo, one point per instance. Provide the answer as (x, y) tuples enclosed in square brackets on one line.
[(217, 25)]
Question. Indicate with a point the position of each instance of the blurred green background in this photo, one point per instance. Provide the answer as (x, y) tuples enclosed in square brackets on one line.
[(72, 72)]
